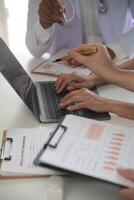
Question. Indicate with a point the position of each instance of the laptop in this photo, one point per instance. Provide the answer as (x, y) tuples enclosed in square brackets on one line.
[(40, 97)]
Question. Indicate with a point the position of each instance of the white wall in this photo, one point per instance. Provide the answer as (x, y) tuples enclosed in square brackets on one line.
[(17, 11), (3, 21)]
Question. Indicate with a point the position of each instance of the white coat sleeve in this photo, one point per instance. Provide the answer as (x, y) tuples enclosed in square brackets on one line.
[(125, 44), (38, 39)]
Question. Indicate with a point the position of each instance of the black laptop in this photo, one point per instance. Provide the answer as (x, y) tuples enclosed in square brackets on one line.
[(40, 97)]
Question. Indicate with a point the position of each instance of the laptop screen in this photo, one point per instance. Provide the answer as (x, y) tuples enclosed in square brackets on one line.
[(14, 73)]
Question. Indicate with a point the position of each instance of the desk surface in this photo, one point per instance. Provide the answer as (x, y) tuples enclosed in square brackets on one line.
[(14, 114)]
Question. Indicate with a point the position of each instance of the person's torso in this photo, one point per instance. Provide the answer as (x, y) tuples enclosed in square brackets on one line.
[(116, 21), (89, 25)]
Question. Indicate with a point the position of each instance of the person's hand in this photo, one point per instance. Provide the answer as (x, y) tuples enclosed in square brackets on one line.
[(73, 63), (67, 80), (50, 11), (74, 81), (84, 98), (100, 63), (71, 81), (127, 193)]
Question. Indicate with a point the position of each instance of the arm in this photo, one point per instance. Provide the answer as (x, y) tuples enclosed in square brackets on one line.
[(95, 80), (35, 32), (122, 78), (74, 81), (121, 109), (101, 65), (85, 98), (127, 65), (39, 37)]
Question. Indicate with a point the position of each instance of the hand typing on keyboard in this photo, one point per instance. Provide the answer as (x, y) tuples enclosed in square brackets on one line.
[(84, 98), (73, 81)]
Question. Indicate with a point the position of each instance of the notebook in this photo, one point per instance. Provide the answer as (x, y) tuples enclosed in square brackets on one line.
[(90, 148), (40, 97)]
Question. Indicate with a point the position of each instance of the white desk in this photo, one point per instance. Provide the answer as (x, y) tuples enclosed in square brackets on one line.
[(13, 113)]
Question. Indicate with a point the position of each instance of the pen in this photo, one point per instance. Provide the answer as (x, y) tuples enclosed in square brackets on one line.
[(64, 16), (88, 52)]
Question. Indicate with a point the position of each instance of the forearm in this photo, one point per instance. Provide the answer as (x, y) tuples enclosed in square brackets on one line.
[(122, 78), (35, 46), (127, 65), (38, 39), (122, 109)]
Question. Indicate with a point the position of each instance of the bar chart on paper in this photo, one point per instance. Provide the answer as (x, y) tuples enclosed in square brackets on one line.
[(94, 149)]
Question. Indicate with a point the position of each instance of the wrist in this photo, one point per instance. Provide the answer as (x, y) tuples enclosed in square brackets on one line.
[(112, 106), (97, 81), (111, 74), (77, 77), (45, 25), (107, 105), (118, 76)]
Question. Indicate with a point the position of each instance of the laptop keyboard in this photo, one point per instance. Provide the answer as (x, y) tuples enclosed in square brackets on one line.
[(52, 109), (51, 101)]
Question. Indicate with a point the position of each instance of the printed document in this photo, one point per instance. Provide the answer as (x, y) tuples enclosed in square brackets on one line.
[(26, 144), (92, 148)]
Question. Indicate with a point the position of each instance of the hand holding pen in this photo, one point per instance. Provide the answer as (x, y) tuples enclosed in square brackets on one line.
[(84, 50), (87, 52), (99, 62), (51, 11)]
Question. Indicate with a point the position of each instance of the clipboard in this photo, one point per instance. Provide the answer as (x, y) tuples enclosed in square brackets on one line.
[(52, 141), (56, 152), (7, 156)]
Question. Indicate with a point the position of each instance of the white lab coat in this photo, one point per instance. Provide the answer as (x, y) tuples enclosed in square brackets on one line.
[(115, 28)]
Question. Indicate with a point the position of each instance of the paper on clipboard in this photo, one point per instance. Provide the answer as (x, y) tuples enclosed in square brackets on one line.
[(26, 143), (92, 148)]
